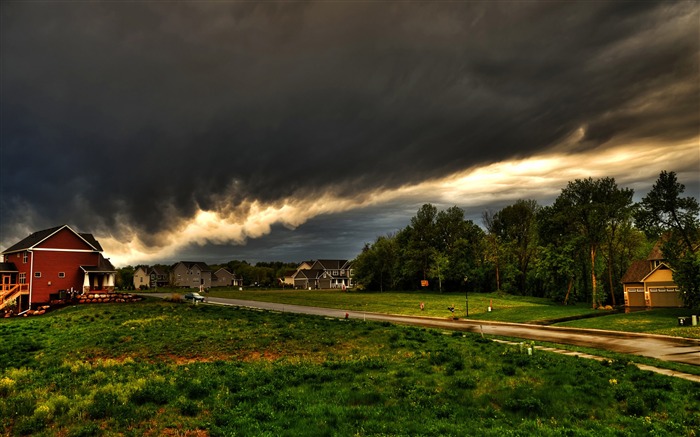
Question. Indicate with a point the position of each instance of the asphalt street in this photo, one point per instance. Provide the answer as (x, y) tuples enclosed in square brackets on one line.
[(676, 349)]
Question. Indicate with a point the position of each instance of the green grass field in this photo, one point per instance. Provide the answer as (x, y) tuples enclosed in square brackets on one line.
[(505, 308), (159, 368)]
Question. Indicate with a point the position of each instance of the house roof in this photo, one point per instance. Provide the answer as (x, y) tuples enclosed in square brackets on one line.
[(333, 264), (636, 272), (201, 265), (222, 271), (309, 274), (8, 268), (661, 266), (103, 266), (655, 253), (159, 270), (37, 237)]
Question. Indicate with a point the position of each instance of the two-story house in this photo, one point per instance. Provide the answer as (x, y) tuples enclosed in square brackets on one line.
[(324, 274), (150, 277), (190, 274), (41, 266), (223, 278)]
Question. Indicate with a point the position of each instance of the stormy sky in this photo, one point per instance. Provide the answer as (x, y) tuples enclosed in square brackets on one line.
[(288, 131)]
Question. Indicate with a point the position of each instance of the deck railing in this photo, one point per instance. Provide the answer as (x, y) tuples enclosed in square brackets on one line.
[(10, 292)]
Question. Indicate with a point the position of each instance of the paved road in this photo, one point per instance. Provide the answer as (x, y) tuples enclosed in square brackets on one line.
[(662, 347)]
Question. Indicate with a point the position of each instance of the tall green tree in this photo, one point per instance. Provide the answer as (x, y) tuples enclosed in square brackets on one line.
[(493, 243), (590, 206), (422, 234), (663, 212), (516, 228)]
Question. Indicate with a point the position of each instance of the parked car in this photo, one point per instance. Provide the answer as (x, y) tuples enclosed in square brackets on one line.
[(194, 297)]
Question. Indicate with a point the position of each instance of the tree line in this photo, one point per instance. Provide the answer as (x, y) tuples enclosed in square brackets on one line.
[(576, 249)]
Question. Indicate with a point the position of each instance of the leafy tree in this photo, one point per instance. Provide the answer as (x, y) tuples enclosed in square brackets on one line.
[(515, 227), (421, 235), (493, 242), (560, 255), (590, 206), (125, 278), (376, 266), (439, 267), (664, 212)]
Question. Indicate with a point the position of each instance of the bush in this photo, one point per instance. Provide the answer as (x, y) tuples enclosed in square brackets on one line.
[(636, 406), (176, 297), (154, 392), (103, 405)]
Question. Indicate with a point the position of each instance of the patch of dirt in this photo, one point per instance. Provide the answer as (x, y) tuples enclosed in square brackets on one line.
[(183, 433), (261, 356)]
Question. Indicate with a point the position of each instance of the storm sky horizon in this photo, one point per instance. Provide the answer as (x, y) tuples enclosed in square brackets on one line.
[(274, 131)]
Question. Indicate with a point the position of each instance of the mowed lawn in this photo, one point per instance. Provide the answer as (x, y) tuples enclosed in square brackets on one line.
[(158, 368), (663, 321), (504, 308)]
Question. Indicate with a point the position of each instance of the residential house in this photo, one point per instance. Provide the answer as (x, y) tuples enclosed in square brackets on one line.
[(160, 277), (287, 278), (324, 274), (45, 264), (150, 277), (142, 278), (190, 274), (649, 283), (223, 278)]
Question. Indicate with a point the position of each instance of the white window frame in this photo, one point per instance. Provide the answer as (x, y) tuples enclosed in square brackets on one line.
[(61, 275), (37, 275)]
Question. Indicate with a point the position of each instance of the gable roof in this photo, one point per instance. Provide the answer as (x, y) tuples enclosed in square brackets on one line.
[(661, 266), (103, 266), (219, 271), (309, 274), (189, 264), (38, 237), (333, 264), (636, 272)]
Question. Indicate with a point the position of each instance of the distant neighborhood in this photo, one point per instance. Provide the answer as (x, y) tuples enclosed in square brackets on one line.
[(319, 274), (58, 263)]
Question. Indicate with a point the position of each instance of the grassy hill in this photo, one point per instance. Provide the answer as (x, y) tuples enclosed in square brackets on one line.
[(158, 368)]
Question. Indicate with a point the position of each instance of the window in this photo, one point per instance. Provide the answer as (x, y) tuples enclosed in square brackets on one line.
[(335, 273), (663, 290), (635, 290), (25, 258), (37, 274), (61, 275), (22, 278)]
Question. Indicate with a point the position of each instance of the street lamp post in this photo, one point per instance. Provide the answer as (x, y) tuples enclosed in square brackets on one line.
[(466, 294)]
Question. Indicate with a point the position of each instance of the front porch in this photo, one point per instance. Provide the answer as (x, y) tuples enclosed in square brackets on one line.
[(97, 281)]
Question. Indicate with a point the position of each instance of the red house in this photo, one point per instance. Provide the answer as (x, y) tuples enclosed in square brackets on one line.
[(52, 262)]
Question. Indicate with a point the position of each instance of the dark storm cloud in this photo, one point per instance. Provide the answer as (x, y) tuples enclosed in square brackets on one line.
[(143, 113)]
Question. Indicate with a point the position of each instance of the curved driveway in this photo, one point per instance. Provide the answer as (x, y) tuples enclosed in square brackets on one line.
[(677, 349)]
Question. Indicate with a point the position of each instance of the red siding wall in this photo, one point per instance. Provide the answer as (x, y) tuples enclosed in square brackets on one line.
[(50, 263), (65, 239)]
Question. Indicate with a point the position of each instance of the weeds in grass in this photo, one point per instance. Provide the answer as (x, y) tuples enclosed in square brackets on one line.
[(254, 373)]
